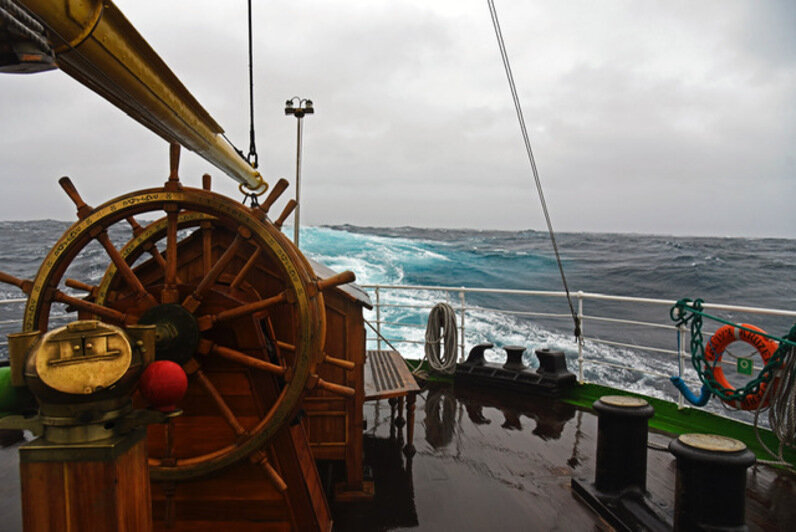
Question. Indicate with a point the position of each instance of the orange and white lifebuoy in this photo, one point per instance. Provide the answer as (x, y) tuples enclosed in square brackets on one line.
[(719, 342)]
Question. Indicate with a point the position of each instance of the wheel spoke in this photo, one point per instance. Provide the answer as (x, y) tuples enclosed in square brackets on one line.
[(193, 301), (168, 459), (337, 389), (246, 360), (285, 345), (223, 407), (149, 246), (83, 209), (272, 334), (79, 285), (289, 207), (135, 226), (339, 362), (259, 457), (23, 284), (207, 321), (169, 294), (277, 191), (93, 308), (336, 280), (124, 269), (169, 439), (156, 254), (207, 247), (245, 270)]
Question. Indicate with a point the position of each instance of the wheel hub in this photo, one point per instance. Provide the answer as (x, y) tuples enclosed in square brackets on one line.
[(176, 332)]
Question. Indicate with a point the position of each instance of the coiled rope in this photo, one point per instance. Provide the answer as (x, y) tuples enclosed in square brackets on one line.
[(782, 407), (441, 326)]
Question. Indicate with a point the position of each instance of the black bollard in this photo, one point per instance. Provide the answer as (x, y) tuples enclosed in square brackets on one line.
[(553, 367), (476, 355), (621, 444), (619, 491), (514, 358), (710, 481)]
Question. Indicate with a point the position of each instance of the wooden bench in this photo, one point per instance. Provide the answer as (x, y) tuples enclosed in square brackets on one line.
[(388, 377)]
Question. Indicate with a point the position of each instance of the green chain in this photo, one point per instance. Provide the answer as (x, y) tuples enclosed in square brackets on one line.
[(690, 311)]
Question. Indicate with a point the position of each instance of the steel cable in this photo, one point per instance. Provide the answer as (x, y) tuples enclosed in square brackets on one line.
[(518, 108), (252, 158)]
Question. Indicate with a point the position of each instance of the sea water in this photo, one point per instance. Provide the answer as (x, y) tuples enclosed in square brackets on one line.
[(734, 271), (737, 271)]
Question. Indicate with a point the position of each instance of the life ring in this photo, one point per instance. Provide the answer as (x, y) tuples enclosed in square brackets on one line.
[(719, 342)]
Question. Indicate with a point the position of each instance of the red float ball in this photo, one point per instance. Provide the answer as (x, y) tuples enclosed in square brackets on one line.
[(163, 384)]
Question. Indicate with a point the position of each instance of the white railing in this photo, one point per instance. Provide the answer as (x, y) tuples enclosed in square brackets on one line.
[(8, 325), (681, 333), (462, 309)]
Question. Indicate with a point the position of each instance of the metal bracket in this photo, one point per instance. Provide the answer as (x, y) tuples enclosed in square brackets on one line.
[(32, 423)]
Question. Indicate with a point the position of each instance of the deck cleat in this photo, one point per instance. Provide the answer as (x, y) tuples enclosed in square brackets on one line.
[(550, 379)]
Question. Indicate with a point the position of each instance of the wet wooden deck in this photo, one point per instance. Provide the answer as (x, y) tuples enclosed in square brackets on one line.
[(505, 464), (488, 463)]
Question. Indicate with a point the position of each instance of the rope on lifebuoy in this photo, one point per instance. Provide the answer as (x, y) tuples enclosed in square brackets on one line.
[(722, 338)]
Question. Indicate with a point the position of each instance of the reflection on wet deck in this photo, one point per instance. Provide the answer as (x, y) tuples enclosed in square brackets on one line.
[(485, 462)]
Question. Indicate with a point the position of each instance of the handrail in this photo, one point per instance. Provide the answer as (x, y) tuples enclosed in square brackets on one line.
[(584, 295), (463, 308), (681, 353)]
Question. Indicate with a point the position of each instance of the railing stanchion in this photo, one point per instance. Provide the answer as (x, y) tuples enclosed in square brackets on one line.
[(681, 332), (461, 328), (378, 320), (580, 337)]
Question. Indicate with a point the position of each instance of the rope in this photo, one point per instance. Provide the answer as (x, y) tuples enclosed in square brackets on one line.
[(441, 326), (782, 407), (19, 22), (781, 368), (688, 311), (252, 158), (507, 67), (22, 16)]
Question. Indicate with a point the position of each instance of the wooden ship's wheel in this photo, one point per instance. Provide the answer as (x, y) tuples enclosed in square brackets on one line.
[(234, 303)]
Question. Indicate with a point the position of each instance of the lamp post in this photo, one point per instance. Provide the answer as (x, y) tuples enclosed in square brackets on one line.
[(298, 107)]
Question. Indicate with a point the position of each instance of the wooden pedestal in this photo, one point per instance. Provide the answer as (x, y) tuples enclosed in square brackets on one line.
[(95, 486)]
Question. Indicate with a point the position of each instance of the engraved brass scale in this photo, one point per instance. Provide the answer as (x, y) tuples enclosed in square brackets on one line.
[(235, 269)]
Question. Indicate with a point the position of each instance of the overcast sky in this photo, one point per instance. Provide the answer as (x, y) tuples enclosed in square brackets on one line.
[(671, 117)]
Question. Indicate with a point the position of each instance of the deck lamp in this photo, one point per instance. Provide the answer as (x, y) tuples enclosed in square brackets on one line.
[(298, 107)]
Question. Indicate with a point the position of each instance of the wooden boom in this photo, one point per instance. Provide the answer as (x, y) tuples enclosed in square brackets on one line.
[(95, 44)]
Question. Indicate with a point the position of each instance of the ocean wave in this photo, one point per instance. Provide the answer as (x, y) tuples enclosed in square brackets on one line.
[(751, 272)]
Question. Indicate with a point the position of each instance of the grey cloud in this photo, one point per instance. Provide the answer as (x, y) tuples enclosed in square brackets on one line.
[(637, 113)]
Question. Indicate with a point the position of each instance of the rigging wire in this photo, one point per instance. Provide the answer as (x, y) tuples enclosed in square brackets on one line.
[(518, 108), (252, 158)]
